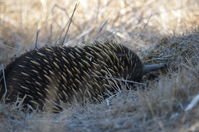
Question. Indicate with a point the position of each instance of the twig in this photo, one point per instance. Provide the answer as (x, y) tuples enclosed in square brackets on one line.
[(66, 13), (108, 100), (118, 79), (36, 39), (5, 86), (193, 103), (69, 23)]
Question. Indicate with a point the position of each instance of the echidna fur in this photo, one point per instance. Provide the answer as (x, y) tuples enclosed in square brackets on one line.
[(53, 75)]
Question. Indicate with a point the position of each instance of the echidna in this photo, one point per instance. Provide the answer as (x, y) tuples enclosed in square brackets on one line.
[(49, 76)]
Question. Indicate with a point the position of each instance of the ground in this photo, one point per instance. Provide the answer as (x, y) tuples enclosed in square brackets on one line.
[(158, 31)]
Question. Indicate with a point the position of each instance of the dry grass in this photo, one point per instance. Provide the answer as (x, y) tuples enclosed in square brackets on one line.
[(159, 31)]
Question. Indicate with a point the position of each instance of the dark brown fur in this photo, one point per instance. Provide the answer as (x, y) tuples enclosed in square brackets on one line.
[(52, 75)]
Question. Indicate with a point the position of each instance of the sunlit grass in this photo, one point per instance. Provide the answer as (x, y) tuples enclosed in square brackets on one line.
[(94, 19)]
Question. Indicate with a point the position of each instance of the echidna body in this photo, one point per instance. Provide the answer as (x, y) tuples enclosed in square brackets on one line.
[(52, 75)]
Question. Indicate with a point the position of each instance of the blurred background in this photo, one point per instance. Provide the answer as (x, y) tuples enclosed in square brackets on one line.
[(26, 24)]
